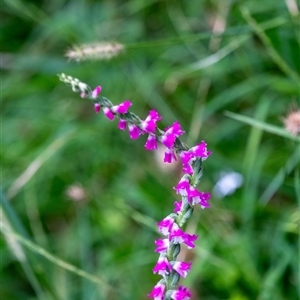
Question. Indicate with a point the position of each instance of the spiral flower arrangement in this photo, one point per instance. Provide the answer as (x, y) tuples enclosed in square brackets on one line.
[(170, 227)]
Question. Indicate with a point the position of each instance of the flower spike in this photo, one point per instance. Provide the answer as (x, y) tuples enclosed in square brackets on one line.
[(170, 227)]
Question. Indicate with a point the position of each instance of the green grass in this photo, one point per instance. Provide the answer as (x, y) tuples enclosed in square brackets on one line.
[(231, 88)]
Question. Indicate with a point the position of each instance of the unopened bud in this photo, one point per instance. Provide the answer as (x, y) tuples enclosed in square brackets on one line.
[(97, 107)]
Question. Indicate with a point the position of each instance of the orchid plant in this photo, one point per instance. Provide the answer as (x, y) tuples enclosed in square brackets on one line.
[(170, 227)]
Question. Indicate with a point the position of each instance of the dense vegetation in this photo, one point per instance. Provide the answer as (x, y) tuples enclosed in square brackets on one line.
[(80, 199)]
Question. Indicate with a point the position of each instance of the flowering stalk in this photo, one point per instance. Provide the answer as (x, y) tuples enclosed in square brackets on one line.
[(171, 226)]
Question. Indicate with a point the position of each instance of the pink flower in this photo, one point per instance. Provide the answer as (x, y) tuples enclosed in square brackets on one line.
[(176, 235), (157, 292), (171, 133), (187, 169), (189, 240), (122, 108), (162, 266), (178, 206), (165, 225), (97, 107), (187, 158), (199, 198), (200, 150), (168, 140), (175, 128), (169, 155), (182, 268), (122, 124), (108, 113), (149, 124), (134, 131), (96, 92), (151, 143), (194, 196), (183, 187), (161, 245), (182, 293)]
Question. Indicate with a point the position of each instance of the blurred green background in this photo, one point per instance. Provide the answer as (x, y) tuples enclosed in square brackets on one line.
[(80, 199)]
